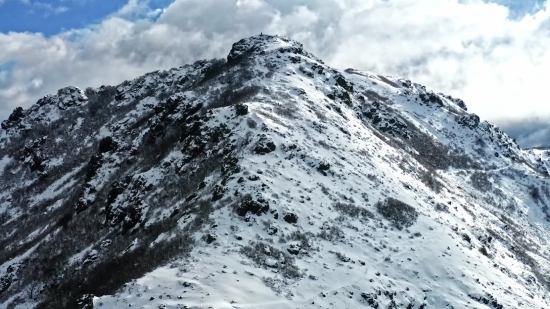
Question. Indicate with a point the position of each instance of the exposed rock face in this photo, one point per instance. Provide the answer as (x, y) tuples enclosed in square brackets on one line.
[(270, 173), (470, 121), (291, 218)]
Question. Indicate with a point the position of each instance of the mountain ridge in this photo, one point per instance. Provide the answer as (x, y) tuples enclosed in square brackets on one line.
[(311, 183)]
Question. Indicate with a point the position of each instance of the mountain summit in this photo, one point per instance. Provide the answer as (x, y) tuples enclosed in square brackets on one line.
[(268, 180)]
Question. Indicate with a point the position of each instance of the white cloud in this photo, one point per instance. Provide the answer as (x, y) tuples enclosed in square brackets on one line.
[(497, 63), (133, 8), (46, 8)]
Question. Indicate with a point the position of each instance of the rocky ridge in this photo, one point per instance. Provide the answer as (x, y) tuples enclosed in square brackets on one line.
[(268, 180)]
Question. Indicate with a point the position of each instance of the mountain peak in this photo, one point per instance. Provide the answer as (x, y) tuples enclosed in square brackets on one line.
[(46, 108), (269, 180), (264, 43)]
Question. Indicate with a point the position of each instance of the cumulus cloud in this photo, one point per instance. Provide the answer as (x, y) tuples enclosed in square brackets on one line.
[(497, 62)]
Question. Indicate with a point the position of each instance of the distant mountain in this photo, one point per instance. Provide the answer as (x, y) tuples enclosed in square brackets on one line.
[(539, 148), (268, 180)]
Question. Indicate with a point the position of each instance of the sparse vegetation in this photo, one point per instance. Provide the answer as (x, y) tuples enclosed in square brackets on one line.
[(400, 214), (331, 233), (123, 183), (430, 180), (481, 181), (258, 252), (353, 211)]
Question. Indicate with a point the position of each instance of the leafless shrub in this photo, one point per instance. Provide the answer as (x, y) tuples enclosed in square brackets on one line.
[(303, 238), (353, 211), (258, 252), (287, 110), (430, 180), (481, 181), (400, 214), (332, 233)]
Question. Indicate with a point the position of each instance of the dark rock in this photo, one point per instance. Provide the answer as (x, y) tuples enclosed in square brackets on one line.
[(14, 119), (17, 114), (85, 301), (96, 161), (8, 279), (107, 144), (218, 193), (175, 212), (470, 121), (128, 216), (257, 207), (272, 230), (116, 189), (306, 72), (323, 167), (393, 305), (34, 155), (430, 97), (291, 218), (294, 249), (230, 166), (370, 298), (191, 197), (342, 82), (460, 104), (194, 147), (264, 146), (209, 238), (488, 299), (65, 219), (202, 185), (187, 284), (406, 83), (240, 49), (294, 59), (241, 109), (65, 98)]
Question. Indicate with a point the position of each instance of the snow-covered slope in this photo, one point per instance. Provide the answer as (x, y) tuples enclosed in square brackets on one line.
[(269, 180)]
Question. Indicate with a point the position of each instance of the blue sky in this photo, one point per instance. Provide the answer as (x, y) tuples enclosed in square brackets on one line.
[(51, 17), (519, 8)]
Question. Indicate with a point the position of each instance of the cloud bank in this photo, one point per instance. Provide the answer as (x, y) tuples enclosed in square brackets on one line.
[(496, 61), (528, 132)]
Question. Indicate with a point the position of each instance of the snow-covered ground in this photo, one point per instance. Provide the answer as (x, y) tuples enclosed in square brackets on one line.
[(349, 190), (429, 264)]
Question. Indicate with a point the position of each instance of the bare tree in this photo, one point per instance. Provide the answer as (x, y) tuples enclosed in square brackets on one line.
[(33, 290)]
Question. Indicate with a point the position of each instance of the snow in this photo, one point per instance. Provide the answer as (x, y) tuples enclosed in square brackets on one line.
[(464, 244), (4, 162), (55, 189), (429, 263)]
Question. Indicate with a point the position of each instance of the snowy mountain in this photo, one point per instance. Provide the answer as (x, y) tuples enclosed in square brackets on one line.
[(268, 180)]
